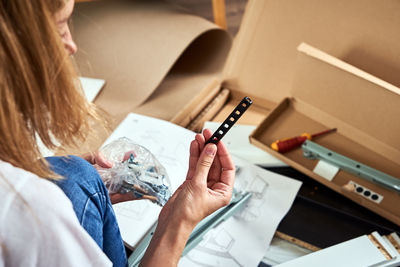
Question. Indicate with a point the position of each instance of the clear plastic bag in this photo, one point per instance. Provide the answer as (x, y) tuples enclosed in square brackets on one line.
[(135, 169)]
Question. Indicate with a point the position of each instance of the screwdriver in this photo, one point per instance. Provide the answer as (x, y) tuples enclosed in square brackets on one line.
[(288, 144)]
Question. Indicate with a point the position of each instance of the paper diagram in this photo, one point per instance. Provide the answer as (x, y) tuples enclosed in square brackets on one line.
[(170, 144), (250, 231), (243, 239), (253, 209), (214, 250), (166, 153)]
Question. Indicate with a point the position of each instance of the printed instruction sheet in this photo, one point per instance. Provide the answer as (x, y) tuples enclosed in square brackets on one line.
[(243, 239), (240, 241), (170, 144)]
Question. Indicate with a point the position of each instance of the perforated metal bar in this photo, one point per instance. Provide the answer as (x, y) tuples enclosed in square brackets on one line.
[(230, 120), (312, 150)]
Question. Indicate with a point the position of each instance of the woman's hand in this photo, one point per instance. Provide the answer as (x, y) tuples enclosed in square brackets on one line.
[(97, 159), (208, 187)]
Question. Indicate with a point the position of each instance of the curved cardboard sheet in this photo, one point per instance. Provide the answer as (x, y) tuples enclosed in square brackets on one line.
[(154, 57), (201, 62), (364, 33), (133, 45)]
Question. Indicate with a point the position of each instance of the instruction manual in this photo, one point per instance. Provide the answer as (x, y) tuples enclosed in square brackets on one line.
[(170, 144), (251, 230), (244, 239)]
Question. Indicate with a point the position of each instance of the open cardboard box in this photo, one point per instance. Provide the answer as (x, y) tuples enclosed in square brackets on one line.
[(328, 93), (315, 95), (149, 55)]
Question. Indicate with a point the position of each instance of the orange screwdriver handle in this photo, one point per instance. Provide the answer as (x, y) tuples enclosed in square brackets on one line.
[(286, 145)]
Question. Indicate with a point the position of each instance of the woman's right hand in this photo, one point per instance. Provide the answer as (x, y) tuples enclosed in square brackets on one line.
[(208, 187)]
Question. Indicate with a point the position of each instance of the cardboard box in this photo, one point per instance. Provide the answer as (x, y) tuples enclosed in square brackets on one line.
[(262, 64), (318, 94), (328, 93)]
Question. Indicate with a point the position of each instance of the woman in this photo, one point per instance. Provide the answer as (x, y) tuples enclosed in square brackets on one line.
[(39, 98)]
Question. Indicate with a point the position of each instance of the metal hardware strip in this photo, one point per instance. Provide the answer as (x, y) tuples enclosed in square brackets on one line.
[(230, 120), (312, 150)]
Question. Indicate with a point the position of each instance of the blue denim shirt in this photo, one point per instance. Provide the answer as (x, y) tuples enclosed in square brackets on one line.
[(91, 203)]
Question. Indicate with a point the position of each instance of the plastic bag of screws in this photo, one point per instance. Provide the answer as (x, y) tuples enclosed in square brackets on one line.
[(135, 170)]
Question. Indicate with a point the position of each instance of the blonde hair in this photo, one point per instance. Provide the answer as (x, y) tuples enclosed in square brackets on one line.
[(39, 89)]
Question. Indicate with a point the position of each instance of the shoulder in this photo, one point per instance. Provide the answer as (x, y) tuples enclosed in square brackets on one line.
[(38, 225), (31, 196)]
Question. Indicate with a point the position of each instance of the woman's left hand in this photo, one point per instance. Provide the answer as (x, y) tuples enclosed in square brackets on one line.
[(97, 159)]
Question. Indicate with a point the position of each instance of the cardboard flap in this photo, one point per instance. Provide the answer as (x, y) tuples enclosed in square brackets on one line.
[(357, 102), (363, 33), (133, 45)]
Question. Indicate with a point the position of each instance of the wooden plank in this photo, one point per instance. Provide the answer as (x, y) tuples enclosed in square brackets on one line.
[(219, 13)]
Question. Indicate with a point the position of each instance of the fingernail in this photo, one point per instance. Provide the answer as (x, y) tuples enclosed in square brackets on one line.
[(210, 150)]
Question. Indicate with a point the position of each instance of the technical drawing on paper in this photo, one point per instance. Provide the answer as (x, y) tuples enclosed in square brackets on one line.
[(169, 143), (169, 156), (252, 210), (214, 250), (243, 239)]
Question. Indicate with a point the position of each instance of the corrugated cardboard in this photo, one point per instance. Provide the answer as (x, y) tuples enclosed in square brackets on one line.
[(154, 56), (328, 93), (363, 33), (262, 60)]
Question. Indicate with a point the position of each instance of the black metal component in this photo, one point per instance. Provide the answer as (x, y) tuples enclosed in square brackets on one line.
[(230, 120)]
